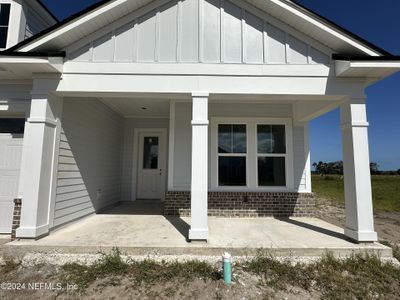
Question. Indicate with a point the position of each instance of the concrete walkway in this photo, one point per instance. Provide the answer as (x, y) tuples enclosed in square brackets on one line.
[(149, 231)]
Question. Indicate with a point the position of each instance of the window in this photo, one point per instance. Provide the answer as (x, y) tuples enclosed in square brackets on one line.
[(232, 152), (250, 154), (12, 126), (271, 155), (4, 20), (150, 153)]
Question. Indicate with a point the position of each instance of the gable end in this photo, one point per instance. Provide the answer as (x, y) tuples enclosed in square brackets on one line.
[(209, 31)]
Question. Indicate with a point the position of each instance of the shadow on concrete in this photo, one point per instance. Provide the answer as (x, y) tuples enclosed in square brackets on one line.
[(316, 228), (138, 207), (180, 225)]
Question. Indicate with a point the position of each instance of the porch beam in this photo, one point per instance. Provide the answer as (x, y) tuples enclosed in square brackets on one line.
[(199, 180), (357, 178)]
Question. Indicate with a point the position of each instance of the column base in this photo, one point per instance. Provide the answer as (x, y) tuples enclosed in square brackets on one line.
[(32, 232), (198, 234), (361, 236)]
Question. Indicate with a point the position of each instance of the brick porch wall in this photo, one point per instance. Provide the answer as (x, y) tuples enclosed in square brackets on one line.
[(244, 204)]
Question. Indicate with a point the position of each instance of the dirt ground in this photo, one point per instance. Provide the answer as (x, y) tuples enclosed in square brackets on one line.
[(387, 224), (245, 286)]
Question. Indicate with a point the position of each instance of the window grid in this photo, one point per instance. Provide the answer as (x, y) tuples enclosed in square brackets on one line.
[(232, 154), (4, 23)]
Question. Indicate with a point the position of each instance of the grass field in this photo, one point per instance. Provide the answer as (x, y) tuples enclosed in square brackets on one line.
[(385, 190)]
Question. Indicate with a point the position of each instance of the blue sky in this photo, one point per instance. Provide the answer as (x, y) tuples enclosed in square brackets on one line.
[(377, 22)]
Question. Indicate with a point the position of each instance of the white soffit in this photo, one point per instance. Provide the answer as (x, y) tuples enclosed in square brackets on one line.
[(12, 67), (366, 69), (283, 10)]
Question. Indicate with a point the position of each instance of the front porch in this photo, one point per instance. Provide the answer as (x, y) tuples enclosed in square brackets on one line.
[(141, 229), (203, 154)]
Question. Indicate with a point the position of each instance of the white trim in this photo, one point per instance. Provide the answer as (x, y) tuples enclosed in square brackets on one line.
[(265, 43), (307, 153), (171, 144), (157, 39), (222, 31), (201, 31), (243, 27), (47, 121), (53, 180), (270, 19), (287, 48), (33, 232), (251, 155), (135, 160), (200, 94), (179, 31), (288, 6), (271, 70)]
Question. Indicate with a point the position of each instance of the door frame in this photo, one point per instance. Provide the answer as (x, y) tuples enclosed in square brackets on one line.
[(135, 165)]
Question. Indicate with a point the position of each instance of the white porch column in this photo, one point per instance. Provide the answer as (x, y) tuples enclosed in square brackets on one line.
[(199, 187), (37, 165), (357, 178)]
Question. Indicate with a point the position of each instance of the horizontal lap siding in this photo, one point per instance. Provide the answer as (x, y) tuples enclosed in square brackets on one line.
[(89, 168)]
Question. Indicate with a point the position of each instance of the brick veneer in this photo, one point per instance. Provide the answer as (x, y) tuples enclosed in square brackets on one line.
[(244, 204), (16, 217)]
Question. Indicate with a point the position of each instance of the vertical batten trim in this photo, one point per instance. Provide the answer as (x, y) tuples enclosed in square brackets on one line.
[(222, 31), (114, 43), (91, 52), (201, 31), (171, 143), (287, 48), (157, 33), (179, 32), (243, 36), (309, 59), (265, 39), (135, 40)]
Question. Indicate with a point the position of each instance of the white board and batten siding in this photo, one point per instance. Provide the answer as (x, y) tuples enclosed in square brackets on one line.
[(182, 138), (89, 163), (208, 31)]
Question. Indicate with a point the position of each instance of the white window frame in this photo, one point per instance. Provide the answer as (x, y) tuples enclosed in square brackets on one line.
[(252, 153), (246, 155)]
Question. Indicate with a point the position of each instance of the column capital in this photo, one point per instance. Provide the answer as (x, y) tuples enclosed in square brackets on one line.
[(200, 94), (356, 100), (354, 124), (35, 94)]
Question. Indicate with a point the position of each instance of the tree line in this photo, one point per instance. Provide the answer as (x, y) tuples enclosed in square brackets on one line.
[(336, 168)]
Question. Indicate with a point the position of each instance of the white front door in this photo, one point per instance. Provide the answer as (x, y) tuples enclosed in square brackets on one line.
[(151, 165), (11, 142)]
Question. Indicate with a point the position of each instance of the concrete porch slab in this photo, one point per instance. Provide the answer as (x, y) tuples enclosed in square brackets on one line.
[(147, 233)]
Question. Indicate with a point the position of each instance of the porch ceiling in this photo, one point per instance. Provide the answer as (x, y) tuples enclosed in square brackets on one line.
[(139, 107), (153, 106)]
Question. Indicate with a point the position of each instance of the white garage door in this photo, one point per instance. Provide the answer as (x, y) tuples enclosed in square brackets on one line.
[(11, 139)]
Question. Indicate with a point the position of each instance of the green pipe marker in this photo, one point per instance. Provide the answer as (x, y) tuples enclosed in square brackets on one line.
[(227, 267)]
